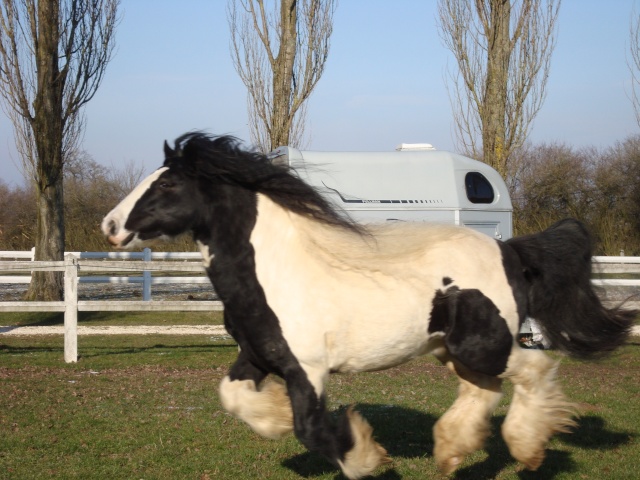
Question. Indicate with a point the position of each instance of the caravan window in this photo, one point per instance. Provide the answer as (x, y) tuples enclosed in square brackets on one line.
[(478, 188)]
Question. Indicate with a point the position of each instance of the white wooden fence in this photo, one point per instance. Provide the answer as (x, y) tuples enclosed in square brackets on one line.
[(616, 266), (87, 263), (147, 262), (146, 279)]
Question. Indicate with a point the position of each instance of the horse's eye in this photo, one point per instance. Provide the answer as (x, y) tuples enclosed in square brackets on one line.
[(165, 185)]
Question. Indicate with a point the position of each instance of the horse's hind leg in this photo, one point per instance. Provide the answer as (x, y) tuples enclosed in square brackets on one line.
[(538, 409), (465, 426), (266, 410)]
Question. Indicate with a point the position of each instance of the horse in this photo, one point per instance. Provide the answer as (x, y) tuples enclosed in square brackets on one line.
[(308, 292)]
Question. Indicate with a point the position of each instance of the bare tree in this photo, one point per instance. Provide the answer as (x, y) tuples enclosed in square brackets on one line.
[(554, 183), (280, 54), (616, 204), (90, 191), (53, 55), (634, 62), (601, 187), (503, 51)]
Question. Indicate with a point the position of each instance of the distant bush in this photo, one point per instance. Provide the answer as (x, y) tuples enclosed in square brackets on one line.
[(599, 187), (90, 191)]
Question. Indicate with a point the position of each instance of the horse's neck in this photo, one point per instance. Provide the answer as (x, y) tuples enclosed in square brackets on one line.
[(232, 260), (278, 233), (224, 242), (281, 245), (284, 239)]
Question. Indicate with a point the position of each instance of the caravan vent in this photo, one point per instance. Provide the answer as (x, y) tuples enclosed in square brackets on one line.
[(413, 147)]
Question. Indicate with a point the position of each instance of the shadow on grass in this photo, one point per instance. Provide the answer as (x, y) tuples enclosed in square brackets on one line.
[(10, 350), (49, 319), (498, 458), (34, 319), (158, 348), (591, 433), (407, 433), (404, 432), (110, 350)]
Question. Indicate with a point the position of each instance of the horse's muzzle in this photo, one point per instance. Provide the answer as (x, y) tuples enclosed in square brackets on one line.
[(120, 243)]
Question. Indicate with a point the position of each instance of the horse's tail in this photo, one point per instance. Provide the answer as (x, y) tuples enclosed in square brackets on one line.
[(557, 265)]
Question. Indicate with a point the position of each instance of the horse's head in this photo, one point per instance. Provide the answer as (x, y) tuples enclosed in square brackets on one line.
[(203, 180), (161, 207)]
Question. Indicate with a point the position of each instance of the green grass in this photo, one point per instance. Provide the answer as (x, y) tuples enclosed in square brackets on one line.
[(146, 407)]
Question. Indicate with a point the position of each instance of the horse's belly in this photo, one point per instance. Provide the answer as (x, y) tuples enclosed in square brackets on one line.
[(377, 347), (357, 330)]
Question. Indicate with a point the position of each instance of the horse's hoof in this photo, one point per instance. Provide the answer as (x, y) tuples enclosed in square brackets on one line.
[(533, 462), (366, 454), (449, 465)]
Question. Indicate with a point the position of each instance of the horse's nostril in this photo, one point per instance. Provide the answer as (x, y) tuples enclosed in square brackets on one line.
[(113, 227)]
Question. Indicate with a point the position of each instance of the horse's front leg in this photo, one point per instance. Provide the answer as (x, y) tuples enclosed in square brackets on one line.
[(347, 443), (266, 409), (465, 426), (538, 409)]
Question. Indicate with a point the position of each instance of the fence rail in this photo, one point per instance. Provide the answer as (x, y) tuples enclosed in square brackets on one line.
[(78, 267), (146, 278), (85, 263)]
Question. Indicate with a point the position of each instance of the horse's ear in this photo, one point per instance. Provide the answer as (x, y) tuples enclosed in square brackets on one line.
[(168, 151)]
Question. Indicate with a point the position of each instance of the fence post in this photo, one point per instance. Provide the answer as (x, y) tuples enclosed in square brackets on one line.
[(33, 258), (146, 276), (70, 308)]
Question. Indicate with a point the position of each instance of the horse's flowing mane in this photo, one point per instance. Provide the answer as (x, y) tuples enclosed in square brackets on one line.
[(222, 159)]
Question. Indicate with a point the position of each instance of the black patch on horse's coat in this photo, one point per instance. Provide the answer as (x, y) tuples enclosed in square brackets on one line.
[(210, 188), (316, 429), (557, 266), (446, 281), (474, 332), (517, 278), (247, 315), (439, 319)]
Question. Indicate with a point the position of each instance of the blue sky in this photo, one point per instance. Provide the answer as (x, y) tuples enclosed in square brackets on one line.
[(384, 82)]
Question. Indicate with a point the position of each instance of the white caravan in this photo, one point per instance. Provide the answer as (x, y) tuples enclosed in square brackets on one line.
[(413, 183)]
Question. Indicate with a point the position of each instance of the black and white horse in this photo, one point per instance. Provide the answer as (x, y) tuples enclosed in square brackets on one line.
[(307, 293)]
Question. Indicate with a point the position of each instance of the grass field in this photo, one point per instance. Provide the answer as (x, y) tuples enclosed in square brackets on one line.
[(146, 407)]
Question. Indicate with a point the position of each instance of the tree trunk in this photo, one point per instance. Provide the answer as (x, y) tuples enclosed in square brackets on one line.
[(495, 96), (48, 129), (283, 75)]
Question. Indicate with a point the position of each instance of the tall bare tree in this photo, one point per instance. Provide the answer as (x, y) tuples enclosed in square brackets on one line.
[(280, 52), (634, 62), (503, 51), (53, 55)]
